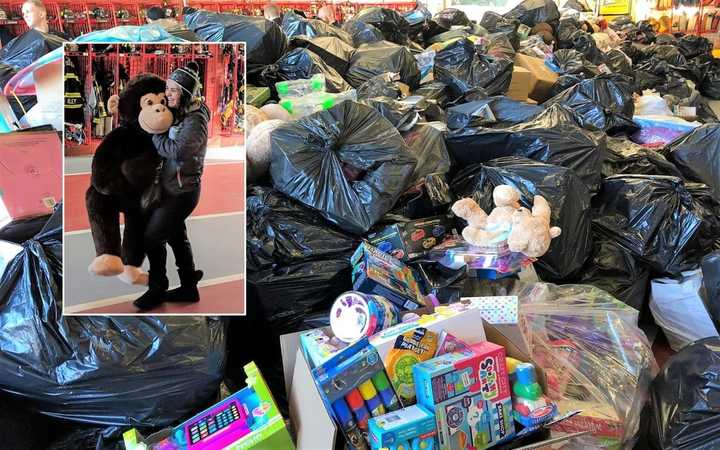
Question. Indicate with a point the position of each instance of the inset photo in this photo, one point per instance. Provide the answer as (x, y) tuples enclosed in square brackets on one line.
[(154, 179)]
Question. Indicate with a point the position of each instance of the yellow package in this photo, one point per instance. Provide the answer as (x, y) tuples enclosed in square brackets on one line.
[(410, 348)]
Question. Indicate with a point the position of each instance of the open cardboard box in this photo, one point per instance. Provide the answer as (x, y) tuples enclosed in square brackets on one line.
[(313, 426)]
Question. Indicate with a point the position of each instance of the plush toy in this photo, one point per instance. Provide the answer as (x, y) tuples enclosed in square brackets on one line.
[(275, 111), (484, 229), (124, 166), (531, 232), (258, 148), (253, 116), (524, 231)]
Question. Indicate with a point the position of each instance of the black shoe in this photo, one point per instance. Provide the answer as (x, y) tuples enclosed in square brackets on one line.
[(155, 295), (188, 291)]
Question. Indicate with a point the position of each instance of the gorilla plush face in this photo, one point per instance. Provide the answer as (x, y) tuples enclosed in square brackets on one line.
[(142, 103), (154, 117)]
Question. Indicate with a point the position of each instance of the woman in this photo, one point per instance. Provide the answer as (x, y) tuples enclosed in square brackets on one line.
[(183, 152)]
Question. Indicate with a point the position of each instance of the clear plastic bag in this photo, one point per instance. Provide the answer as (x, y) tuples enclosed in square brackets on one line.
[(595, 359)]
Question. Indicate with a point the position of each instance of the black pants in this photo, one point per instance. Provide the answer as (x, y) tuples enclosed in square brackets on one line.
[(166, 225)]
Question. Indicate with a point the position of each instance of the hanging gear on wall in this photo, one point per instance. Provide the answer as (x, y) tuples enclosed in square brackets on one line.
[(3, 14), (123, 15), (74, 102)]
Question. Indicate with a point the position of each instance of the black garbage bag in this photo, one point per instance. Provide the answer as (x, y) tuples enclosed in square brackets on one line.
[(428, 109), (619, 62), (28, 47), (635, 53), (691, 46), (572, 62), (711, 281), (666, 39), (709, 84), (334, 51), (348, 162), (383, 85), (654, 217), (615, 270), (642, 33), (565, 82), (426, 142), (697, 155), (264, 41), (299, 64), (567, 27), (460, 33), (533, 12), (135, 371), (362, 33), (428, 197), (498, 45), (551, 138), (294, 25), (21, 425), (495, 23), (627, 157), (391, 23), (418, 20), (601, 103), (450, 17), (434, 91), (667, 53), (402, 115), (708, 236), (686, 399), (585, 44), (493, 111), (282, 232), (20, 230), (381, 57), (568, 197), (462, 69)]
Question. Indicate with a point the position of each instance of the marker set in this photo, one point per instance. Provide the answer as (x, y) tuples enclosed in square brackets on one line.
[(355, 386)]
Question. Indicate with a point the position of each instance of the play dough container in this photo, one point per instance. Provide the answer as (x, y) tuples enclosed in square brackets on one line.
[(355, 315)]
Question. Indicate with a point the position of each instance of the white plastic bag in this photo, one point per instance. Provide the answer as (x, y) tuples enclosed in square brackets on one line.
[(679, 310), (652, 104)]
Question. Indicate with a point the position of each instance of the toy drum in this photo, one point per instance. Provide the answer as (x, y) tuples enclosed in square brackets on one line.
[(354, 315)]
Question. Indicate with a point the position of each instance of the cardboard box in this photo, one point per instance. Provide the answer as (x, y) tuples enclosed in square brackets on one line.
[(543, 77), (470, 396), (410, 240), (521, 84), (378, 273), (30, 172), (314, 429)]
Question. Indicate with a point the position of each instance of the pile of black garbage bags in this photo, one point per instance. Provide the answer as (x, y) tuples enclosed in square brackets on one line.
[(409, 147)]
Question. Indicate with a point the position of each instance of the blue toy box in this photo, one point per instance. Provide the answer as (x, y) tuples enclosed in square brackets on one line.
[(411, 428)]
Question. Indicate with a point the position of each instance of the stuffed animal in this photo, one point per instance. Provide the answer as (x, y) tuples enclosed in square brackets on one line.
[(275, 111), (484, 229), (123, 167), (531, 232), (253, 116), (259, 150)]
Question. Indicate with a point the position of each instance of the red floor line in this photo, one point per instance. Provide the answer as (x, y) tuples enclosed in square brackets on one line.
[(222, 192), (216, 299)]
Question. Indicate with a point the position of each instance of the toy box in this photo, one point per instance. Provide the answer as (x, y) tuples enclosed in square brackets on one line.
[(354, 387), (409, 428), (470, 395), (410, 240), (247, 419), (378, 273)]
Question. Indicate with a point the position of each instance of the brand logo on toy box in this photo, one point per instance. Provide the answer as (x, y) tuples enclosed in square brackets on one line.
[(488, 378), (500, 419)]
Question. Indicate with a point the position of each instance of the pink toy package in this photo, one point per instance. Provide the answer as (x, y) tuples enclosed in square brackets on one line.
[(30, 172)]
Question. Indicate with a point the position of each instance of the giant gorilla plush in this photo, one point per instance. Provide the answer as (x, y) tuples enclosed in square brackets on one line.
[(123, 167)]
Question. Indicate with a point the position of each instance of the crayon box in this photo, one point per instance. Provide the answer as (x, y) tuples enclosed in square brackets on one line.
[(469, 392)]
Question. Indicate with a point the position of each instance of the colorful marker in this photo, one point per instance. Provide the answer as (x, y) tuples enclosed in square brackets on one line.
[(387, 394), (357, 405), (370, 395), (352, 432)]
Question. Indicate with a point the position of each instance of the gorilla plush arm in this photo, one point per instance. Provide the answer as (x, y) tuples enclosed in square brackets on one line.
[(107, 177)]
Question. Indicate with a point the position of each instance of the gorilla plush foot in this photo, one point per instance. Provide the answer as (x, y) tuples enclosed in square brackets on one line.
[(134, 275), (106, 265)]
